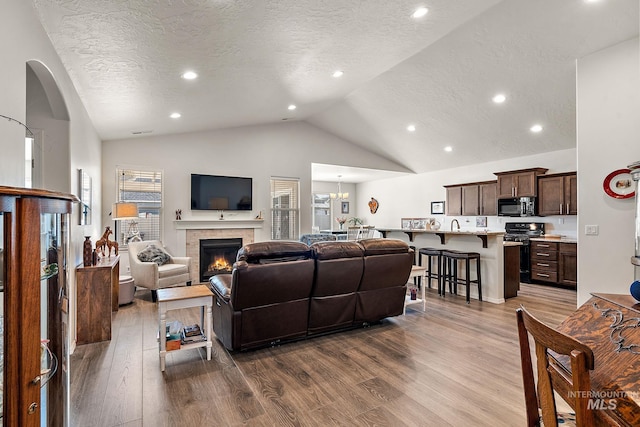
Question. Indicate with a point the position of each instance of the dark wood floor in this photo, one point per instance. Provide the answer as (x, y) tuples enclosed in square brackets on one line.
[(456, 364)]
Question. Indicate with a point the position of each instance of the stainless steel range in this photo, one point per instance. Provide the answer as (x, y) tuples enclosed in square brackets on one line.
[(522, 232)]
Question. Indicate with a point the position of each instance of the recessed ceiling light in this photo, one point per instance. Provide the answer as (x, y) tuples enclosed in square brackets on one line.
[(499, 98), (337, 73), (536, 128), (175, 115), (448, 149), (411, 128), (189, 75), (420, 12), (591, 1), (292, 107)]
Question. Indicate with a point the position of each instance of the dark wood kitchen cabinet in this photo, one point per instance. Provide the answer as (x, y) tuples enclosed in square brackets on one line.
[(518, 183), (488, 198), (568, 264), (477, 198), (470, 199), (558, 194), (554, 262), (544, 261), (454, 200)]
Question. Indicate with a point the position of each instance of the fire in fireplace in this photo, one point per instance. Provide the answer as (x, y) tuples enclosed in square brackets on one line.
[(217, 256)]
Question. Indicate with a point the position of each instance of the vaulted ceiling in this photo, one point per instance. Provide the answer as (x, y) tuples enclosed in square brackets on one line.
[(254, 58)]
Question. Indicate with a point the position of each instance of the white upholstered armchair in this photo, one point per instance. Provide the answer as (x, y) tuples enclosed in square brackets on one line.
[(164, 272)]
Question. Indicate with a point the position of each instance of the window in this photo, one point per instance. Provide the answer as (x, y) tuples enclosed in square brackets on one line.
[(143, 187), (285, 209)]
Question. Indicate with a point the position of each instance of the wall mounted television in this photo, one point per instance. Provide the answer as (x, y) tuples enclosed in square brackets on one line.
[(214, 192)]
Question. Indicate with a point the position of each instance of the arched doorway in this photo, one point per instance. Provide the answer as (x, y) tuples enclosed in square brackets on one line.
[(47, 118)]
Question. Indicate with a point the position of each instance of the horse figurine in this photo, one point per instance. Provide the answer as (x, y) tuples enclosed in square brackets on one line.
[(103, 244)]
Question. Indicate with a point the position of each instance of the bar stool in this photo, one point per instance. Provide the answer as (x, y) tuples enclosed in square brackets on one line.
[(430, 253), (450, 274)]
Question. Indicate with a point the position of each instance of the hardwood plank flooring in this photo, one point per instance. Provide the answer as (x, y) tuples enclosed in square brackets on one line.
[(455, 364)]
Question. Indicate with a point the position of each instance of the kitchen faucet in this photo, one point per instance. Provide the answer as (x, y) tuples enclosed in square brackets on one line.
[(457, 224)]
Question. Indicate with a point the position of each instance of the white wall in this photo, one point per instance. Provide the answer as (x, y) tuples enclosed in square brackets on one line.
[(23, 39), (411, 196), (608, 124), (280, 150)]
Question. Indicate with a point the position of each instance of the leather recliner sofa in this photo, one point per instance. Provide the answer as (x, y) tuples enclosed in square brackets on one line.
[(282, 290)]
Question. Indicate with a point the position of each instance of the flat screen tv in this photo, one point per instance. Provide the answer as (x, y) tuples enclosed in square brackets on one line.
[(228, 193)]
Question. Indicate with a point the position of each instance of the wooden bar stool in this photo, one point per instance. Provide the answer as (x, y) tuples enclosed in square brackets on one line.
[(431, 253), (450, 275)]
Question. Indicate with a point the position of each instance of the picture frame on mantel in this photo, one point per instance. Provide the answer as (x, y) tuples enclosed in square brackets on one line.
[(437, 208)]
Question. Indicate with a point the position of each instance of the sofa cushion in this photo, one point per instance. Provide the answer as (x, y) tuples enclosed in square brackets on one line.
[(279, 251), (383, 246), (153, 253), (337, 249)]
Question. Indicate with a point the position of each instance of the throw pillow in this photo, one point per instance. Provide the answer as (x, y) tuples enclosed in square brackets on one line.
[(152, 253)]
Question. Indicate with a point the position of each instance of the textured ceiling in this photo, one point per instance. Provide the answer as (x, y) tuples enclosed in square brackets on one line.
[(255, 57)]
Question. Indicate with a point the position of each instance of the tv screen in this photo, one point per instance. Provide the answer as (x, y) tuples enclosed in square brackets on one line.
[(212, 192)]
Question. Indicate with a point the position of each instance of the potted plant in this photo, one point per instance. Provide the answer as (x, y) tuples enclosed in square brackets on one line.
[(355, 221)]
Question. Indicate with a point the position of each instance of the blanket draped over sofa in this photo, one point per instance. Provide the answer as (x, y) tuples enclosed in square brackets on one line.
[(284, 290)]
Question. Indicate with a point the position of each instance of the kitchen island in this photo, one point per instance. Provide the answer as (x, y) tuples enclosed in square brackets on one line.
[(490, 247)]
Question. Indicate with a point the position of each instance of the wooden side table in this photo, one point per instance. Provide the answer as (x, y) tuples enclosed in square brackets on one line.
[(185, 297), (97, 296), (417, 271)]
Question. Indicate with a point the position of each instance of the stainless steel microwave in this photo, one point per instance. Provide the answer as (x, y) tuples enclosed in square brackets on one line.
[(517, 206)]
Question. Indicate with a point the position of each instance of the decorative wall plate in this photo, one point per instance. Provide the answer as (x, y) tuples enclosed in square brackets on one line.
[(619, 184)]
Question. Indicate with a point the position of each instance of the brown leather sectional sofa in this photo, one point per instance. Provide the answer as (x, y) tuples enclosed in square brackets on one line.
[(281, 290)]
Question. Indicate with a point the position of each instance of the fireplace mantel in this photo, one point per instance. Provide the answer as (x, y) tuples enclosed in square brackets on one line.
[(213, 224)]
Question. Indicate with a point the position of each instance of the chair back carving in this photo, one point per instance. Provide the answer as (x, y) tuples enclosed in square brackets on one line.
[(574, 387)]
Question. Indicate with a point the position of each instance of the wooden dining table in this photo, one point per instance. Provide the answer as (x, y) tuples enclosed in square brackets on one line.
[(610, 325)]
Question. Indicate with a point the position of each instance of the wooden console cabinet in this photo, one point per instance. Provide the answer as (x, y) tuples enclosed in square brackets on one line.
[(98, 287)]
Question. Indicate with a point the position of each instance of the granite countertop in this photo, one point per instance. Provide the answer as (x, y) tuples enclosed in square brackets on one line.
[(441, 231), (560, 239), (511, 243)]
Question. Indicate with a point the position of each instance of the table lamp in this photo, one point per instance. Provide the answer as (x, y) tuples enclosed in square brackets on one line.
[(127, 211)]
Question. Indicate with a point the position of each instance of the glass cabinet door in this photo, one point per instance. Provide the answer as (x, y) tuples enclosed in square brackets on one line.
[(54, 381), (34, 348)]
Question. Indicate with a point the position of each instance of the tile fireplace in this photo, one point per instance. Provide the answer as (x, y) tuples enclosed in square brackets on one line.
[(217, 256)]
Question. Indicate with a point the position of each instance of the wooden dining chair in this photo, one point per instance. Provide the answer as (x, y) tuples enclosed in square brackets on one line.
[(574, 387)]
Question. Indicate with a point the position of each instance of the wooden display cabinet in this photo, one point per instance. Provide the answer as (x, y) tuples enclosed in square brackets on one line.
[(34, 227)]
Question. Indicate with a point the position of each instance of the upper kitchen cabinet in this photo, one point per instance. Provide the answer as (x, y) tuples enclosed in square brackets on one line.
[(518, 183), (478, 198), (454, 200), (558, 194), (488, 198)]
